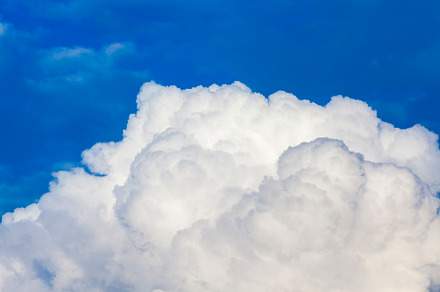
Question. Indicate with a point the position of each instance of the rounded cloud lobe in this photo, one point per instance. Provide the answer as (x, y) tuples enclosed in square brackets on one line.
[(221, 189)]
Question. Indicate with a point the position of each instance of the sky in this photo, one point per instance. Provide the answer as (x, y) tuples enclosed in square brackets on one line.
[(70, 70), (124, 154)]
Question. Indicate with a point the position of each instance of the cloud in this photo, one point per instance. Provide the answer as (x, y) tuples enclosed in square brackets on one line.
[(221, 189), (2, 28), (79, 64), (65, 53), (111, 49)]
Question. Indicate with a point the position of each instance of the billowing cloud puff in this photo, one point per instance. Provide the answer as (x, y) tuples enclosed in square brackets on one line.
[(221, 189)]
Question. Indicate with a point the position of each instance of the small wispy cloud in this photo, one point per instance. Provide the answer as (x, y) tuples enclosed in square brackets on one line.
[(2, 28), (62, 53), (81, 64), (109, 50)]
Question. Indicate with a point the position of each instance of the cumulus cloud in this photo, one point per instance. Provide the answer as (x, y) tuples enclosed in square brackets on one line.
[(221, 189)]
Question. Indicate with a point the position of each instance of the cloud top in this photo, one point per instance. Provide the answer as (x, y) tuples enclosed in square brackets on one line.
[(221, 189)]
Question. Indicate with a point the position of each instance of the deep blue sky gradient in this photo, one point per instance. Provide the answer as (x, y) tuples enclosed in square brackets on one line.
[(70, 70)]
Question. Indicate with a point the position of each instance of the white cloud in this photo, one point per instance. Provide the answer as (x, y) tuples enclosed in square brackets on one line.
[(31, 213), (70, 65), (110, 49), (62, 53), (220, 189)]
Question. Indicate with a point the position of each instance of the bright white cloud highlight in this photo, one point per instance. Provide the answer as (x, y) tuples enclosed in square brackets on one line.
[(221, 189)]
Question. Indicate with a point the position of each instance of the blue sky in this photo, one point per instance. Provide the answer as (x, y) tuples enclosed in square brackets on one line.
[(70, 70)]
